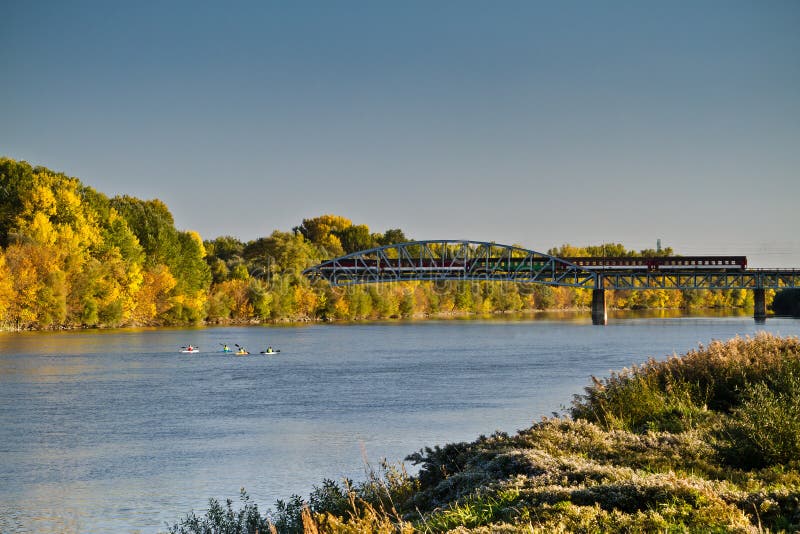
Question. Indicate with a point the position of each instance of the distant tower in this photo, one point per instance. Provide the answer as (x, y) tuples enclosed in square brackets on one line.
[(658, 245)]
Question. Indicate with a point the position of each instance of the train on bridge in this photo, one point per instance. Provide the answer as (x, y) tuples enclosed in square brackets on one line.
[(494, 264), (716, 263), (458, 260)]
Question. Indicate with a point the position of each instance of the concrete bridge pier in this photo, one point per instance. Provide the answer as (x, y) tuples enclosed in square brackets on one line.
[(760, 305), (599, 315)]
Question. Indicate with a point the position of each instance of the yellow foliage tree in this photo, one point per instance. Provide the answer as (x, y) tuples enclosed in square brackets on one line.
[(319, 230), (153, 297), (6, 287), (341, 307), (236, 292), (26, 284), (305, 301)]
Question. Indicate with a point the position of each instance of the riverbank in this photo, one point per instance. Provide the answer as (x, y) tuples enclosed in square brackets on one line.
[(555, 313), (703, 442)]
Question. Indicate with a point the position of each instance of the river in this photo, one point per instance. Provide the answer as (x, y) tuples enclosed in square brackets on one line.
[(116, 431)]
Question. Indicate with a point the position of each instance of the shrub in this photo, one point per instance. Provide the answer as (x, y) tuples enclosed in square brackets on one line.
[(330, 498), (478, 509), (288, 515), (674, 394), (765, 429), (224, 520)]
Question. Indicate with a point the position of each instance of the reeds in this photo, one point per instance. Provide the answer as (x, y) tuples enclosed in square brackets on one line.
[(717, 377)]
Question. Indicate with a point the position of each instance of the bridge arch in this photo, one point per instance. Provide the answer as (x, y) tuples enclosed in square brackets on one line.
[(452, 260)]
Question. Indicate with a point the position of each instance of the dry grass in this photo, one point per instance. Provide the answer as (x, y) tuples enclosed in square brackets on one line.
[(715, 378)]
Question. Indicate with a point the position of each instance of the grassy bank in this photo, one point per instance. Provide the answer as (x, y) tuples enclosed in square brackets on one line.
[(705, 442)]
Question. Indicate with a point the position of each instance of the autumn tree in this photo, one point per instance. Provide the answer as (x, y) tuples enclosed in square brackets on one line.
[(355, 238), (181, 253), (153, 225), (321, 232), (391, 237)]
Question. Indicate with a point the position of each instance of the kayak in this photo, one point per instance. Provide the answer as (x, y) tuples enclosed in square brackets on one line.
[(269, 351), (242, 353), (187, 351)]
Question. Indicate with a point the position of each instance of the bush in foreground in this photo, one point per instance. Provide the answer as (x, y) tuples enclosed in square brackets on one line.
[(708, 442)]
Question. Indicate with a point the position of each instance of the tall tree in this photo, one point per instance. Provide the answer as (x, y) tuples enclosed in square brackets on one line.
[(321, 231), (153, 225), (355, 238)]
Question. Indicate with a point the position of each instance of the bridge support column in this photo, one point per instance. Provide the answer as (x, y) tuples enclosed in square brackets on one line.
[(760, 308), (599, 315)]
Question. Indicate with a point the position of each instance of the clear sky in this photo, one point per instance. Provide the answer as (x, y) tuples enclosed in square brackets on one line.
[(537, 123)]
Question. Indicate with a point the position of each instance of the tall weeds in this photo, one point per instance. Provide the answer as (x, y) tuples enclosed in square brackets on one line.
[(765, 428), (717, 377)]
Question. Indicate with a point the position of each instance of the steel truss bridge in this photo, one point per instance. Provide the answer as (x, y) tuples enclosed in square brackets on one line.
[(462, 260)]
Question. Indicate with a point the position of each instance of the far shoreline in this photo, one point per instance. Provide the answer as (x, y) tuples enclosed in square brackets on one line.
[(548, 314)]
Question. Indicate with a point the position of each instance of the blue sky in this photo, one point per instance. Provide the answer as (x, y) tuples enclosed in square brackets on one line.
[(538, 123)]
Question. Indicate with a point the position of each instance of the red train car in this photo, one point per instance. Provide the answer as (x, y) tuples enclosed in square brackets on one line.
[(663, 262)]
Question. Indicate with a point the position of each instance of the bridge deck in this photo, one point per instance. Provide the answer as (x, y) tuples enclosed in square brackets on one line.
[(700, 279), (630, 279)]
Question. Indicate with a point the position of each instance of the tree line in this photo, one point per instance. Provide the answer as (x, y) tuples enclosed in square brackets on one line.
[(72, 257)]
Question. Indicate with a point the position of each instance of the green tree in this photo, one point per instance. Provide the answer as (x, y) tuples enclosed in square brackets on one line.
[(464, 299), (292, 252), (193, 276), (16, 179), (321, 232), (407, 303), (317, 229), (153, 225), (392, 236), (225, 248), (260, 298), (543, 297), (240, 273), (355, 238)]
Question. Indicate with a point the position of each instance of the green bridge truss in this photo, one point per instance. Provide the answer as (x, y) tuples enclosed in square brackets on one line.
[(451, 260)]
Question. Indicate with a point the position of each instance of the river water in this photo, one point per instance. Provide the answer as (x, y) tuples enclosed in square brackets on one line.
[(116, 431)]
